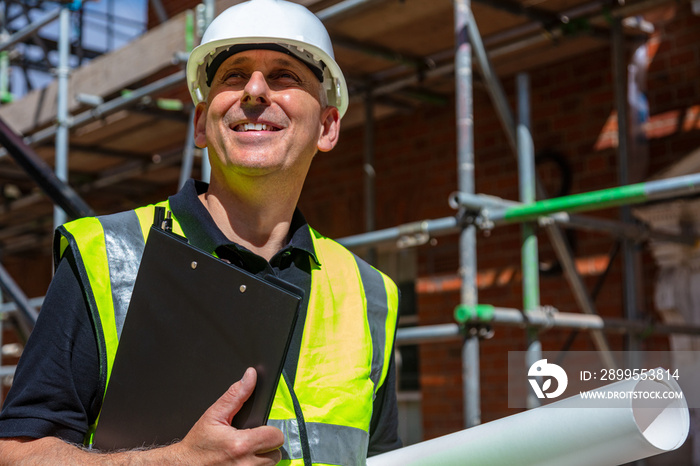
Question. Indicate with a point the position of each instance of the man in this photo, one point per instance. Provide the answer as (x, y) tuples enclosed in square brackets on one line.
[(269, 95)]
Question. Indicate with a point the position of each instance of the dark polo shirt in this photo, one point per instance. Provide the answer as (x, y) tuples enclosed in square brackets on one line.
[(56, 389)]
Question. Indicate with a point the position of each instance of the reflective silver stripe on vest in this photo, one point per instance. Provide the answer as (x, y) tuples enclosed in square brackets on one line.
[(377, 311), (330, 444), (125, 245)]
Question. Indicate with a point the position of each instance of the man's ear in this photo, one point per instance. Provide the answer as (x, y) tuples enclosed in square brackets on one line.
[(330, 131), (200, 125)]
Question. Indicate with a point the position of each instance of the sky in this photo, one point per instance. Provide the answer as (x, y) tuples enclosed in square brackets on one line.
[(130, 22)]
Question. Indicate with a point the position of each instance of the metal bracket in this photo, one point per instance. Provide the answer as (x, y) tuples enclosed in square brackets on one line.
[(483, 221), (180, 58), (472, 214), (481, 331), (89, 99), (548, 312)]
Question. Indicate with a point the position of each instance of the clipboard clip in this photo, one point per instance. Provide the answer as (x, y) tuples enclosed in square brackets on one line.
[(163, 219)]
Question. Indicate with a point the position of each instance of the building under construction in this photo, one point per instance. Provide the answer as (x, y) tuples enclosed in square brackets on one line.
[(525, 171)]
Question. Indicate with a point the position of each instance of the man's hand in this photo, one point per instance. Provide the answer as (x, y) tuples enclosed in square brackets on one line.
[(211, 441)]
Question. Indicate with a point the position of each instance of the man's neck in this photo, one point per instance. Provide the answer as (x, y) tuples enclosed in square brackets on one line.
[(260, 224)]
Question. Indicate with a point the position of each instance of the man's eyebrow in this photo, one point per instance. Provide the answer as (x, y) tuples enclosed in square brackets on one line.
[(287, 62), (281, 61)]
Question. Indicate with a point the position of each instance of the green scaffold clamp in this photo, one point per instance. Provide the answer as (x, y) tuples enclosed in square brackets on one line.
[(474, 319), (468, 313)]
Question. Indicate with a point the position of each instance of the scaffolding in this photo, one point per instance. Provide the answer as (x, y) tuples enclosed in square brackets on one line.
[(474, 211)]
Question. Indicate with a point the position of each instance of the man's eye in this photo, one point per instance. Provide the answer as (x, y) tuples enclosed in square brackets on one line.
[(287, 75), (233, 75)]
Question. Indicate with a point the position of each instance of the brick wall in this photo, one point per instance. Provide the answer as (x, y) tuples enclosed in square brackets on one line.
[(572, 115)]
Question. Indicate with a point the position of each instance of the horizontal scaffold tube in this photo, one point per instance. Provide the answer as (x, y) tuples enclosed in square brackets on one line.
[(427, 334), (550, 317), (7, 370), (490, 206), (630, 194), (441, 226), (10, 306), (543, 318)]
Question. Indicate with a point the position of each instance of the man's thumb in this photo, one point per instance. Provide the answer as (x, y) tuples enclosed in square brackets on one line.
[(231, 401)]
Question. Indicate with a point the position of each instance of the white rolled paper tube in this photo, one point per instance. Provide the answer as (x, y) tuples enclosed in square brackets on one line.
[(570, 432)]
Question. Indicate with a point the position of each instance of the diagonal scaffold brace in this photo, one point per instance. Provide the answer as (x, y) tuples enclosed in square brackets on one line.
[(58, 191)]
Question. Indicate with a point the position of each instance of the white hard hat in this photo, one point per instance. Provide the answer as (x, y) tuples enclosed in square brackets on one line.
[(268, 24)]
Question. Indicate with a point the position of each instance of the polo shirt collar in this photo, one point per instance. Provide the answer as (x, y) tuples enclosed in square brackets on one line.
[(201, 230)]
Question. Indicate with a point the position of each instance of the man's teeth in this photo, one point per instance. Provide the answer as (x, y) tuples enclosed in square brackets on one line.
[(255, 127)]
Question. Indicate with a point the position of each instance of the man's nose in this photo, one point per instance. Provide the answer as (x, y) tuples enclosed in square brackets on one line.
[(256, 91)]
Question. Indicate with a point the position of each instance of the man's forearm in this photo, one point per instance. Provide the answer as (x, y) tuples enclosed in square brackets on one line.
[(51, 450), (211, 440)]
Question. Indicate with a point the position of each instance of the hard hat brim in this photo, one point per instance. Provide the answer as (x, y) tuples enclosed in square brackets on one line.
[(200, 56)]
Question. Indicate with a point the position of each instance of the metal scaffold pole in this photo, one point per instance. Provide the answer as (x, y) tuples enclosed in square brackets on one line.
[(369, 179), (209, 7), (529, 256), (63, 74), (27, 312), (188, 152), (630, 257), (561, 246), (545, 317), (209, 12), (465, 173), (5, 94), (369, 172)]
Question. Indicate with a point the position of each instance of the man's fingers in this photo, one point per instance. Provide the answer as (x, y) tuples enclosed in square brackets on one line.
[(270, 438), (274, 456), (213, 434), (262, 440), (231, 401)]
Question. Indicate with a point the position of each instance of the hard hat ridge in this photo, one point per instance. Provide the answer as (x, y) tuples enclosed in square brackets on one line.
[(267, 24)]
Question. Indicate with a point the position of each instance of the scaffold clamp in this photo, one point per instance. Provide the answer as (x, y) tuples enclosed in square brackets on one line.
[(470, 212), (465, 313), (474, 320), (548, 314)]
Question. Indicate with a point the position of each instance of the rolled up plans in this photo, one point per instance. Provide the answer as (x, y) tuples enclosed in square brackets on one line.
[(611, 428)]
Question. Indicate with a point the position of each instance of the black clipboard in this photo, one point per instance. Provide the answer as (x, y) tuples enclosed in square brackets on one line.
[(195, 323)]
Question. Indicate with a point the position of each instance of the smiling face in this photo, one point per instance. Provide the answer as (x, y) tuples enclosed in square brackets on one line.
[(264, 115)]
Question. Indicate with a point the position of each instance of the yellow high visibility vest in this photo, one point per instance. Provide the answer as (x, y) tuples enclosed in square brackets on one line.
[(346, 344)]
